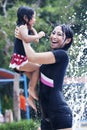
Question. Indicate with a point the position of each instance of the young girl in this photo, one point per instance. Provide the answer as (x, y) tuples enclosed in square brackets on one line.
[(19, 61)]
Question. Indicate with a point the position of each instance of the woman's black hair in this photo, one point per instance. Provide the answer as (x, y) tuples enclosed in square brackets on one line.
[(24, 11), (69, 34)]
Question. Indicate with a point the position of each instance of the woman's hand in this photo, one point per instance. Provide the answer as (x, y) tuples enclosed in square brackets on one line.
[(17, 33), (22, 34)]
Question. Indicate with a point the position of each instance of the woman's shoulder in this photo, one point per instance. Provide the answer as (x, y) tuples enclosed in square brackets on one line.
[(60, 54), (60, 51)]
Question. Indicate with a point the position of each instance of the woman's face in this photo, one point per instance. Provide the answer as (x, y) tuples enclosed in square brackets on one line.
[(57, 38)]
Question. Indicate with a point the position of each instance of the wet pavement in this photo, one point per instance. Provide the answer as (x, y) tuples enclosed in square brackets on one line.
[(83, 126)]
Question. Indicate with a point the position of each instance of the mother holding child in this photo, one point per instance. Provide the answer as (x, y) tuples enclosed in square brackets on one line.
[(56, 113)]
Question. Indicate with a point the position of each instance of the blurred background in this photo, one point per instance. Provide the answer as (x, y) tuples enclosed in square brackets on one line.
[(48, 14)]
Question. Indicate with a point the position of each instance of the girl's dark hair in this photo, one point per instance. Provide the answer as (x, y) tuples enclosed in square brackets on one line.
[(69, 34), (24, 11)]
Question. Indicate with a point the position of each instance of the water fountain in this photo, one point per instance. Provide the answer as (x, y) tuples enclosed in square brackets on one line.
[(76, 95)]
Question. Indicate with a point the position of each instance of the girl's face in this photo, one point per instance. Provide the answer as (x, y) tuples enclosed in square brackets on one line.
[(57, 38), (33, 20)]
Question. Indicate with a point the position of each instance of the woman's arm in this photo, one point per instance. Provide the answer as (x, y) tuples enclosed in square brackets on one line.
[(29, 38), (40, 58)]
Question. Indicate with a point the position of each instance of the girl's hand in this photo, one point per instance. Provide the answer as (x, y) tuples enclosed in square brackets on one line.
[(41, 34)]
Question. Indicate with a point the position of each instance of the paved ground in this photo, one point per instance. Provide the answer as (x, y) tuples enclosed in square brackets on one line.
[(83, 126)]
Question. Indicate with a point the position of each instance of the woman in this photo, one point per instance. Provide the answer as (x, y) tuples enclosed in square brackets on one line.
[(56, 114)]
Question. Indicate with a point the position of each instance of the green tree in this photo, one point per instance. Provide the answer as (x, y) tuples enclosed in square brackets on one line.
[(49, 13), (80, 24)]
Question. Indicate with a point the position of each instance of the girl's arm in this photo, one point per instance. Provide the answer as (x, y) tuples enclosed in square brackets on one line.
[(40, 58), (29, 38), (35, 33)]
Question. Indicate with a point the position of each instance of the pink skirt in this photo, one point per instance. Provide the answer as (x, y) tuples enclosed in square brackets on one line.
[(17, 60)]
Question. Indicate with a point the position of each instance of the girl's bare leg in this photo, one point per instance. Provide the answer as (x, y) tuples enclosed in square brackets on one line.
[(29, 67), (32, 84), (32, 103), (34, 70), (30, 98)]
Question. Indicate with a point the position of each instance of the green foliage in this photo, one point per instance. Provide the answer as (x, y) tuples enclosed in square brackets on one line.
[(21, 125), (49, 13), (80, 25)]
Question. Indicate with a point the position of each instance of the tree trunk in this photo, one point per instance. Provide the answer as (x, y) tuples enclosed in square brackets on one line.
[(16, 100)]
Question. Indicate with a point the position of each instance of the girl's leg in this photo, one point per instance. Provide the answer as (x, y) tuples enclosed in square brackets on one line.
[(29, 67), (32, 103), (31, 89), (34, 70), (30, 98), (32, 83)]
